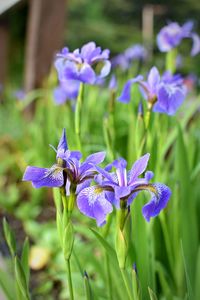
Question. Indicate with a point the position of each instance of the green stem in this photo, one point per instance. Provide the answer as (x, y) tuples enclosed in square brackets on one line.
[(127, 284), (109, 280), (171, 60), (69, 279), (79, 105), (88, 291)]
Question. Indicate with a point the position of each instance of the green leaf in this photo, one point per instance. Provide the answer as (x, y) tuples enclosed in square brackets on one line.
[(88, 291), (25, 259), (197, 285), (188, 282), (105, 244), (10, 238), (21, 279), (68, 240), (152, 294), (7, 284)]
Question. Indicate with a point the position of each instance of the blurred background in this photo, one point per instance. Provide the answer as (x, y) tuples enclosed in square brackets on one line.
[(31, 32)]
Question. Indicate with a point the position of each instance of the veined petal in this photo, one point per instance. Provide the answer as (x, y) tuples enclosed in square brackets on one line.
[(170, 98), (161, 194), (91, 202), (138, 168), (43, 177)]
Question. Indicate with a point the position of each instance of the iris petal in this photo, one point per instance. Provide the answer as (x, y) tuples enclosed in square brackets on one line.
[(93, 203), (158, 201)]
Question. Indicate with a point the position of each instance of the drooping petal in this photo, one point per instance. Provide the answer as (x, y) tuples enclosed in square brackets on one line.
[(91, 202), (158, 201), (87, 74), (43, 177), (110, 196), (170, 98), (196, 44), (59, 95), (138, 168), (70, 71), (125, 96), (105, 69)]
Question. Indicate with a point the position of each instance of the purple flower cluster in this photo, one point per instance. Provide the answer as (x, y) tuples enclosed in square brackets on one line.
[(88, 65), (164, 93), (136, 52), (111, 188), (171, 36)]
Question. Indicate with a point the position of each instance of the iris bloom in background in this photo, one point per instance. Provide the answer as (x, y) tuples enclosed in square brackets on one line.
[(124, 60), (172, 35), (164, 93), (86, 65), (97, 201), (67, 90), (67, 171)]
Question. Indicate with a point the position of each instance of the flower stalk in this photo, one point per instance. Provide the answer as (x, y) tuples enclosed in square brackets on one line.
[(78, 110)]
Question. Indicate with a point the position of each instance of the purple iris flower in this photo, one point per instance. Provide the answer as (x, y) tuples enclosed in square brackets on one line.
[(171, 36), (67, 171), (67, 90), (97, 201), (86, 65), (165, 94), (120, 61), (136, 52)]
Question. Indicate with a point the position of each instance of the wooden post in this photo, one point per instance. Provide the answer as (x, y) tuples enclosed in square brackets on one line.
[(3, 50), (45, 33)]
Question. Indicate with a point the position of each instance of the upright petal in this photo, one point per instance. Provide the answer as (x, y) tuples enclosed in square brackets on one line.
[(91, 160), (138, 168), (91, 202), (153, 79), (63, 141), (87, 49), (158, 201)]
